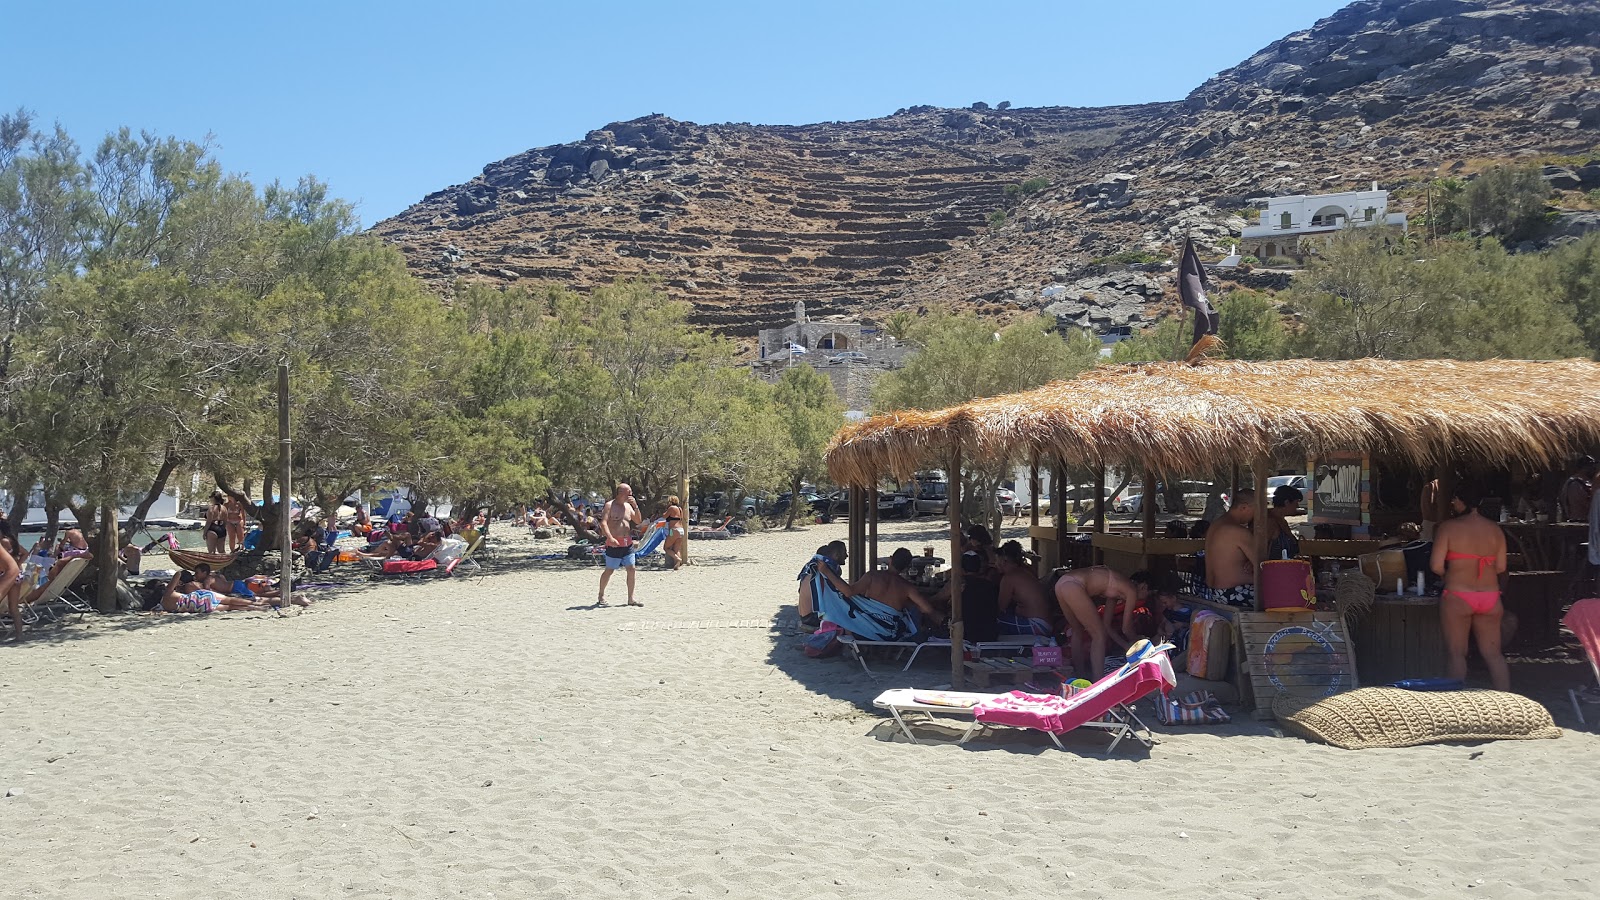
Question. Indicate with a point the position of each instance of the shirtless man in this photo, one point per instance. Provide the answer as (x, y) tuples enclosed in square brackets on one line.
[(1470, 552), (1024, 608), (1076, 591), (617, 522), (891, 588), (1231, 554), (827, 560)]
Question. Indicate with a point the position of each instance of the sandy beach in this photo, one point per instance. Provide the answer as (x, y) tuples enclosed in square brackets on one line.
[(499, 737)]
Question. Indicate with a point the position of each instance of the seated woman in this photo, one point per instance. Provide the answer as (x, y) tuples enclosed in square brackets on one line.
[(677, 541), (1024, 606), (1284, 543)]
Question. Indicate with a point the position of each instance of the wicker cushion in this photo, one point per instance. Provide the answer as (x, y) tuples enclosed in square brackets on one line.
[(1392, 717)]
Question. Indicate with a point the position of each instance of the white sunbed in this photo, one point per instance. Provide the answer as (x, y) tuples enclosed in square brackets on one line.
[(57, 591), (1107, 705), (1016, 643)]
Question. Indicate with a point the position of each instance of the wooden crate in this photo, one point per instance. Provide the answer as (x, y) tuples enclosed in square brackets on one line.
[(984, 672), (1299, 652), (1400, 638)]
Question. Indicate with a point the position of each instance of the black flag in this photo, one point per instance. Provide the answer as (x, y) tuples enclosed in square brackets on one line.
[(1192, 287)]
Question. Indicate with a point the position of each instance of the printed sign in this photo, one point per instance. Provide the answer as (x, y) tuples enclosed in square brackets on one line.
[(1341, 493)]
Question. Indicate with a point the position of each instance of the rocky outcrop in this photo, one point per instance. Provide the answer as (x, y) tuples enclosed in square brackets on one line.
[(865, 217)]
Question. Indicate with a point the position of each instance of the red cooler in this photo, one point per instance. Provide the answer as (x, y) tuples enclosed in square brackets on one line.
[(1287, 584)]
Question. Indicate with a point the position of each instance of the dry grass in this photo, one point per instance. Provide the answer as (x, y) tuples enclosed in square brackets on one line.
[(1174, 418)]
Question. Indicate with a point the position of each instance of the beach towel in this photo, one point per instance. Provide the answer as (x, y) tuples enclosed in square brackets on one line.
[(864, 617), (408, 566)]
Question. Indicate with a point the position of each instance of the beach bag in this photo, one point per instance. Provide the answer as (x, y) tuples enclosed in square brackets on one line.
[(823, 642), (1194, 708), (1384, 567), (1210, 638), (1287, 584)]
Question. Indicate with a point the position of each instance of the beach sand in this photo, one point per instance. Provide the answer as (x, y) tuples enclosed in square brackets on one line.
[(498, 737)]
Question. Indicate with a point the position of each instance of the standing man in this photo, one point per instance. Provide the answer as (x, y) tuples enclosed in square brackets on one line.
[(617, 522), (1231, 554)]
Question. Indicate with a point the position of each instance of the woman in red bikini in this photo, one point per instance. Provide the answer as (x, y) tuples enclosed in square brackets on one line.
[(1470, 552)]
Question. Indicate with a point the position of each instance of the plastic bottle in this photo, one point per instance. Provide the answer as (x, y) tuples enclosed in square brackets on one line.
[(1399, 587)]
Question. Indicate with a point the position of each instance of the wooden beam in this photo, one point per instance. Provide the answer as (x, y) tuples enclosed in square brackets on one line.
[(1033, 492), (1261, 531), (872, 526), (957, 627), (854, 532), (286, 605), (1099, 510)]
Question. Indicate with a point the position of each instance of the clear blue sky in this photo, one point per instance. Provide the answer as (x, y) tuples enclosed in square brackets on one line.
[(390, 101)]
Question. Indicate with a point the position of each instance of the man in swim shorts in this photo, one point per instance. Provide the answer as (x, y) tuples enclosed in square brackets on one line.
[(1024, 607), (1231, 554), (617, 521)]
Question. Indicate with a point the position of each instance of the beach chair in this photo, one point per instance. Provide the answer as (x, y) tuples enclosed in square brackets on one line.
[(1107, 705), (1007, 645), (468, 558), (1583, 620), (55, 593)]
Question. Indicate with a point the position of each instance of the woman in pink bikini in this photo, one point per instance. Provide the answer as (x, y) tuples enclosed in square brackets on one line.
[(1470, 552)]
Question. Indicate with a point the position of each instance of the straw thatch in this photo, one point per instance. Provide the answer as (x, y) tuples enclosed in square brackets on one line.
[(1175, 418)]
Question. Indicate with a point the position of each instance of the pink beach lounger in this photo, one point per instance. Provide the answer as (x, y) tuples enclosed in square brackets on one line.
[(1583, 620), (1107, 705)]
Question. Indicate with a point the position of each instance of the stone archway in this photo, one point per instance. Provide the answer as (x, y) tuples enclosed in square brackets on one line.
[(1268, 252), (833, 340)]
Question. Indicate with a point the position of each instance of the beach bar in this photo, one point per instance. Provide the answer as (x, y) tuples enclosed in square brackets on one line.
[(1172, 419)]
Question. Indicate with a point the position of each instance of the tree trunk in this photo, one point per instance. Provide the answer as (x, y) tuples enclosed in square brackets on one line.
[(107, 564), (794, 501), (21, 495), (159, 484)]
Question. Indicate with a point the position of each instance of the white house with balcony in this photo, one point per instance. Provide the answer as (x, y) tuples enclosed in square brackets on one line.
[(1286, 221)]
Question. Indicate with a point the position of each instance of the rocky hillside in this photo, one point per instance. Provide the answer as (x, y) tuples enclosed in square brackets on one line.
[(1010, 209)]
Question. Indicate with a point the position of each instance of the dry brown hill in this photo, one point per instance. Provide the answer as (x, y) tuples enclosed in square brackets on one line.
[(862, 217)]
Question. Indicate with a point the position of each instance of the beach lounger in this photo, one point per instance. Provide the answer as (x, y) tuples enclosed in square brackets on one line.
[(56, 592), (1583, 620), (1106, 706), (1011, 645)]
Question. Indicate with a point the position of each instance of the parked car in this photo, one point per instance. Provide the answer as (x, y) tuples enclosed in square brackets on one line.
[(847, 357), (1304, 482), (1006, 499), (1195, 495), (933, 498), (816, 503)]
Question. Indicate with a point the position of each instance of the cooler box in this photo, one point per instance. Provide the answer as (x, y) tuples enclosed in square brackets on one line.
[(1287, 584)]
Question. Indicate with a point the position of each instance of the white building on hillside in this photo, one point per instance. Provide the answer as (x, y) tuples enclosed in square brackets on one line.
[(1285, 221)]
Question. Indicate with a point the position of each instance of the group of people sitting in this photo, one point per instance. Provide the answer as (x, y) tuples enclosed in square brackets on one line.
[(200, 590), (1002, 594)]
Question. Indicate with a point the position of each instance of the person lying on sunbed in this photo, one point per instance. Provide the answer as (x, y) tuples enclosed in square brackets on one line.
[(1024, 606), (190, 592)]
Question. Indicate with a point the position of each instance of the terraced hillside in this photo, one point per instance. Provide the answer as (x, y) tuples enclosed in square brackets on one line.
[(863, 217)]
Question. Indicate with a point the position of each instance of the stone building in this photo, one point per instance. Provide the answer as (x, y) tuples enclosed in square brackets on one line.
[(1286, 222), (822, 338)]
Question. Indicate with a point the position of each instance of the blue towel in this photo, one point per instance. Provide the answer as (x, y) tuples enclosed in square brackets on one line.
[(864, 617)]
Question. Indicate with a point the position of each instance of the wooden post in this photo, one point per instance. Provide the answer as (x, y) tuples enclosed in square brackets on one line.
[(1033, 492), (286, 567), (872, 526), (852, 539), (683, 495), (1260, 529), (957, 627), (1099, 510), (1147, 509)]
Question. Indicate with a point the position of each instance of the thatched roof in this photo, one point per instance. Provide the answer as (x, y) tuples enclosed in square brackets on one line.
[(1176, 418)]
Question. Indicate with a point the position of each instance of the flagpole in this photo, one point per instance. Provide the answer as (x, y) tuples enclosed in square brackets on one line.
[(1183, 309)]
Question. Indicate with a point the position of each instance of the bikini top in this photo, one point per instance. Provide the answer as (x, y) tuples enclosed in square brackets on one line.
[(1482, 560)]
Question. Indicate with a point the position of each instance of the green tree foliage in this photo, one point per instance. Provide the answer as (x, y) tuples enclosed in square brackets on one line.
[(1251, 326), (1571, 276), (1372, 295), (1506, 202), (813, 412), (961, 357), (1168, 339)]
